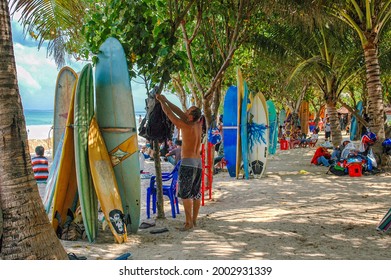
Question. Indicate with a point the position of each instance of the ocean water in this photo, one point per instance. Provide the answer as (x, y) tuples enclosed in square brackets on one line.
[(45, 117), (38, 117)]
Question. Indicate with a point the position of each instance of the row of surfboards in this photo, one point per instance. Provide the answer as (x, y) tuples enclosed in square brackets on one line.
[(95, 144), (250, 128)]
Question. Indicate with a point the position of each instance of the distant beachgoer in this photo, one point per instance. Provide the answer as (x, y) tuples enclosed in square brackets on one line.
[(140, 119), (40, 165), (327, 130), (175, 155)]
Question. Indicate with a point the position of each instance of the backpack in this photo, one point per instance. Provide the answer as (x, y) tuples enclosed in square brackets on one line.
[(337, 170), (155, 125)]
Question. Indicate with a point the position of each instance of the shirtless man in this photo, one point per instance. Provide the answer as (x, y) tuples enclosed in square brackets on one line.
[(189, 180)]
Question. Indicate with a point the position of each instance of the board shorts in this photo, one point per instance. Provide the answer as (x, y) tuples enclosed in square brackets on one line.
[(189, 180)]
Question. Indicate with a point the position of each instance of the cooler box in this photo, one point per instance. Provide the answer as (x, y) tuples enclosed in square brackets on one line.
[(355, 169), (284, 145)]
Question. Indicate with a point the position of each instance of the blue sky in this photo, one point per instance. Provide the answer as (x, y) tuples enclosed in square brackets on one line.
[(37, 74)]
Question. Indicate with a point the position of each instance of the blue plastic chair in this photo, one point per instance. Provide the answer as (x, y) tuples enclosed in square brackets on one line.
[(169, 189)]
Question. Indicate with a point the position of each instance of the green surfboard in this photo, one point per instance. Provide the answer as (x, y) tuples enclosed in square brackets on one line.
[(84, 110), (116, 119)]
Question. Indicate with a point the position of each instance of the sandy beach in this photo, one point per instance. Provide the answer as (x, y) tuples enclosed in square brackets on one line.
[(295, 212)]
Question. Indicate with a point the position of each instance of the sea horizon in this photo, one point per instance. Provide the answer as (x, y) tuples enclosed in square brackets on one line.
[(44, 117)]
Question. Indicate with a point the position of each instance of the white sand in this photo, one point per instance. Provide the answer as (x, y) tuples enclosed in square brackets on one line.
[(295, 212), (39, 131)]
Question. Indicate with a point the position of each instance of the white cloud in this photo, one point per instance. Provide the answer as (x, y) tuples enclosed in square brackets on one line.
[(25, 78)]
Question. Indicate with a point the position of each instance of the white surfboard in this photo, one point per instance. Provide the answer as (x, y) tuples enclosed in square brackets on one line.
[(258, 135)]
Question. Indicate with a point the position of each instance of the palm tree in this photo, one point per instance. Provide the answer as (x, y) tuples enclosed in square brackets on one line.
[(369, 19), (25, 229), (332, 63)]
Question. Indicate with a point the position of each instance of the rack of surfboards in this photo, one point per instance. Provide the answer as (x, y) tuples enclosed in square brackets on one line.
[(245, 130), (96, 158)]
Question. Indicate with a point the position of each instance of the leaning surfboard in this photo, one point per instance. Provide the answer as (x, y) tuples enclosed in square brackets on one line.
[(258, 135), (230, 128), (52, 179), (273, 127), (281, 117), (66, 80), (243, 130), (105, 183), (84, 110), (116, 120), (354, 124), (239, 117), (65, 198)]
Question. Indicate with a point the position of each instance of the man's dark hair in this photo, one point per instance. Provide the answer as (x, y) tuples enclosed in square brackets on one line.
[(196, 113), (39, 150)]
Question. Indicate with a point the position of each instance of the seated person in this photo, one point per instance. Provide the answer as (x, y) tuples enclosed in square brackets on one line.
[(40, 165), (303, 140), (295, 137), (314, 138), (349, 150), (336, 155), (321, 157), (175, 155)]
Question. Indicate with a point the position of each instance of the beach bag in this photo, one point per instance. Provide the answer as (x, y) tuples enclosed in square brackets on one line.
[(155, 125), (337, 170)]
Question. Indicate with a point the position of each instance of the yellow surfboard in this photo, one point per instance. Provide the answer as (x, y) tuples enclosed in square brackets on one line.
[(238, 142), (105, 182), (66, 195)]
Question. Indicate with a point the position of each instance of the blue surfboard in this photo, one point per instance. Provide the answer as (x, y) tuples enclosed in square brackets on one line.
[(244, 132), (354, 124), (273, 127), (230, 128)]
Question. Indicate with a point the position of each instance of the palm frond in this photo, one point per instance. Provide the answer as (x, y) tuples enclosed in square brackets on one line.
[(54, 21)]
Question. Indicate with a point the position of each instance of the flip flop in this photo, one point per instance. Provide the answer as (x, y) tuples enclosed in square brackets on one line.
[(159, 230), (72, 256), (124, 256), (145, 225)]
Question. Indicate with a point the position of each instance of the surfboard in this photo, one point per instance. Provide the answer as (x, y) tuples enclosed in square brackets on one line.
[(258, 135), (105, 183), (230, 128), (84, 110), (66, 196), (240, 93), (354, 124), (281, 117), (243, 130), (304, 115), (52, 179), (116, 119), (66, 80), (273, 127)]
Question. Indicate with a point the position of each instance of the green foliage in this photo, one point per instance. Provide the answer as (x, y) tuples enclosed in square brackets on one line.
[(146, 32)]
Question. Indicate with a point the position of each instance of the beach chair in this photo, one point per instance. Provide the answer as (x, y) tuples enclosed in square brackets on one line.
[(169, 189)]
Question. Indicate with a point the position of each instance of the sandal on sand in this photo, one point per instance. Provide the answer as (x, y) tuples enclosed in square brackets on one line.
[(145, 225), (159, 230), (72, 256)]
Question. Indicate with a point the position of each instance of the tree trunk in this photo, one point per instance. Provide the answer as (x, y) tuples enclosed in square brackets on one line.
[(159, 183), (26, 230), (336, 134), (375, 98)]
